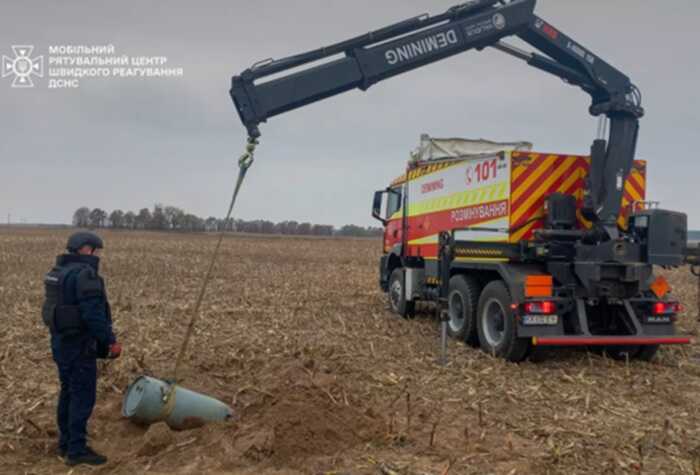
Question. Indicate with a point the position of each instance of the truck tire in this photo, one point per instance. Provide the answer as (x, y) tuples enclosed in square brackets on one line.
[(462, 300), (496, 324), (397, 296)]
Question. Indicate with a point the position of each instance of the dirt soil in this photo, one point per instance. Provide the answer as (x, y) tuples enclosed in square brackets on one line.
[(296, 336)]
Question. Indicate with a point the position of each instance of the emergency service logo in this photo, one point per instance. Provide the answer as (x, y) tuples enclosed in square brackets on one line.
[(22, 66)]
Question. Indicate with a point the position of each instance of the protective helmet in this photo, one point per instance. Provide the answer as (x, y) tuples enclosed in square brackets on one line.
[(84, 238)]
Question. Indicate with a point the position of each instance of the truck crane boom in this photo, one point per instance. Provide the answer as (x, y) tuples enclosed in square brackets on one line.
[(360, 62)]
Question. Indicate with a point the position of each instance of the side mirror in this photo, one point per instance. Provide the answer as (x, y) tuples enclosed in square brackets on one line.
[(377, 206)]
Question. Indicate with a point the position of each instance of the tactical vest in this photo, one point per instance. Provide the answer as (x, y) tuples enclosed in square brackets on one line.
[(62, 319)]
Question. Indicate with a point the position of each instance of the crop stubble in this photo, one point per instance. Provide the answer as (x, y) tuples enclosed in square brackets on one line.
[(296, 336)]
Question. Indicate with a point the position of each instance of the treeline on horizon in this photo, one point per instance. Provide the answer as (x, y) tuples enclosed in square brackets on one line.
[(172, 218)]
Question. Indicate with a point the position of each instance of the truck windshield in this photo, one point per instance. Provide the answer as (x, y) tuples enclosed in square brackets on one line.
[(393, 202)]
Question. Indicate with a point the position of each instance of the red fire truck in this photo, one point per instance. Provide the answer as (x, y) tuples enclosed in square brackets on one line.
[(483, 218)]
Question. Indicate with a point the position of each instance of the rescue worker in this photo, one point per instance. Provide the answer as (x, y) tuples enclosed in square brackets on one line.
[(77, 313)]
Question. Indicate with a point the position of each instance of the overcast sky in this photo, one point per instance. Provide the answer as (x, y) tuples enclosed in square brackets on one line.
[(129, 143)]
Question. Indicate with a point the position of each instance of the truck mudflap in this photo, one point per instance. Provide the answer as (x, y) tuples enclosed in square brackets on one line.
[(609, 340)]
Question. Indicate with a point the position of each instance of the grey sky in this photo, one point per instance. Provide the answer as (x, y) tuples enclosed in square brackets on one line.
[(128, 143)]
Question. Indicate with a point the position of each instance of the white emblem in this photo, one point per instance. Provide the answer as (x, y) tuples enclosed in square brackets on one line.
[(23, 66)]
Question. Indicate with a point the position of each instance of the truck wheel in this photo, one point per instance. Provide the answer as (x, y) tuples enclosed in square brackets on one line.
[(462, 299), (397, 296), (496, 324)]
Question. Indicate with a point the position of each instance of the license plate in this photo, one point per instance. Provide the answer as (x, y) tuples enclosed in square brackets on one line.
[(540, 319)]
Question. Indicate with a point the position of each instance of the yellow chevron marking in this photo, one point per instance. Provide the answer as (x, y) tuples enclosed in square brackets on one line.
[(432, 239), (570, 181), (504, 190), (639, 179), (586, 224), (633, 193), (541, 169), (431, 168), (518, 235), (491, 239), (517, 172), (625, 202), (469, 198), (486, 193), (481, 259), (536, 194), (621, 221), (498, 191), (478, 252)]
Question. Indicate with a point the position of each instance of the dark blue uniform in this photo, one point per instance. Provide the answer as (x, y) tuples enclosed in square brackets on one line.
[(78, 315)]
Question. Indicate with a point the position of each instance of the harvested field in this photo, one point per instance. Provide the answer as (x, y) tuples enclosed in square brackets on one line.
[(296, 336)]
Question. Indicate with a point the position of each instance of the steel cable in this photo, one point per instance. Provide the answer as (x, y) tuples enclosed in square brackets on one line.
[(244, 163)]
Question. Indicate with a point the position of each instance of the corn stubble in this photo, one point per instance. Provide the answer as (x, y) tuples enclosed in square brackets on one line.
[(296, 336)]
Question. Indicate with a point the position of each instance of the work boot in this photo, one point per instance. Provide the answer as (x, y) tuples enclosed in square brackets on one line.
[(89, 457)]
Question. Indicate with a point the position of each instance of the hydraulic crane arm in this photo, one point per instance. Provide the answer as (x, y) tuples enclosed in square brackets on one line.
[(362, 61)]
